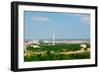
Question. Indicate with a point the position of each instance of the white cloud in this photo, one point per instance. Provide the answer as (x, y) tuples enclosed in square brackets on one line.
[(40, 18), (84, 18)]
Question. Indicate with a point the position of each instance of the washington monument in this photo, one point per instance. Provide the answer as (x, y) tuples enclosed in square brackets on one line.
[(53, 36)]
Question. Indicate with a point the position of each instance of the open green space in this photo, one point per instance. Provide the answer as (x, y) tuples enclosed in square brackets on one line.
[(46, 52)]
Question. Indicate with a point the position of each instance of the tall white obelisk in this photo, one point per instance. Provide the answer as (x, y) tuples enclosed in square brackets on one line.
[(53, 36)]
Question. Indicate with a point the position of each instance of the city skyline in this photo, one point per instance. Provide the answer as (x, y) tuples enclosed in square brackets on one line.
[(41, 25)]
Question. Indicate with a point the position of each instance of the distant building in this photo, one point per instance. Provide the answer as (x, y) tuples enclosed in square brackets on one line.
[(36, 42), (35, 46), (83, 45), (28, 43), (67, 41)]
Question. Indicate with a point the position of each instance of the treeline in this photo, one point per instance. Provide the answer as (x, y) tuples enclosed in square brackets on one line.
[(57, 47), (49, 57)]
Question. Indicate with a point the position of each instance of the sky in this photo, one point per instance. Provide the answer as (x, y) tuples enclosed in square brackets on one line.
[(41, 25)]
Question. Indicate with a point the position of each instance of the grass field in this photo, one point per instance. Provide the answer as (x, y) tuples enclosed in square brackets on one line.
[(46, 52)]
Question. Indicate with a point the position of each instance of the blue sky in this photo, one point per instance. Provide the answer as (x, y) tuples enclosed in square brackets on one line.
[(41, 25)]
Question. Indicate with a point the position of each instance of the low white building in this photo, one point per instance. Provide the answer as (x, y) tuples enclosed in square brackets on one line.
[(83, 45), (35, 46), (36, 42)]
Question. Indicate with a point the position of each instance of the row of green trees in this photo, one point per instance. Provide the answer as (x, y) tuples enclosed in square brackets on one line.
[(49, 57), (57, 47), (52, 49)]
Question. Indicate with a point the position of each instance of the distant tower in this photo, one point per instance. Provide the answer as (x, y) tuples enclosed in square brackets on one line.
[(53, 36)]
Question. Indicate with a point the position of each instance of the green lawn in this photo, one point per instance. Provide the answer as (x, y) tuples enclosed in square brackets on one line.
[(52, 49)]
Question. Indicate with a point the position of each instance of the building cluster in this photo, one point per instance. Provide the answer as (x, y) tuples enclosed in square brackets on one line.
[(54, 41), (37, 42)]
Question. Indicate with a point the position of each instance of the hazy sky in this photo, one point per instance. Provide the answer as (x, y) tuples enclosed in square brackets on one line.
[(41, 25)]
